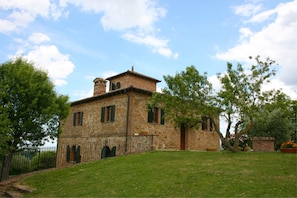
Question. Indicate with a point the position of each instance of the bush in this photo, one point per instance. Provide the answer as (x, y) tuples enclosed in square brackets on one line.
[(43, 160)]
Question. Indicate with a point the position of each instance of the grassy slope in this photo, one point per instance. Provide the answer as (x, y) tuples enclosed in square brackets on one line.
[(178, 174)]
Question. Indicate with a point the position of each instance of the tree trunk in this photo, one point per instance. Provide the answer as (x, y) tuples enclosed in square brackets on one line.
[(5, 167)]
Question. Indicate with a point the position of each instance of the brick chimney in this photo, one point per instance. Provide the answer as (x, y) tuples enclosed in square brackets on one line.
[(99, 86)]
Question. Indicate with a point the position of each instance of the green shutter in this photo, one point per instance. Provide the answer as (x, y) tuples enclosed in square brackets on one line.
[(112, 113), (68, 153), (102, 114), (74, 119), (81, 118), (77, 155), (112, 86), (150, 115), (162, 116)]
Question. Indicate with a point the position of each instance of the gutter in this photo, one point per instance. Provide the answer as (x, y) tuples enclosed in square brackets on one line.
[(127, 120)]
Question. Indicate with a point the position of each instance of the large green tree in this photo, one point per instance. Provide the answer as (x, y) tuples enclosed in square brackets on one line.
[(189, 96), (30, 108)]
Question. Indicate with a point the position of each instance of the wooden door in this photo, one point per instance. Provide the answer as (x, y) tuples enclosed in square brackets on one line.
[(182, 137)]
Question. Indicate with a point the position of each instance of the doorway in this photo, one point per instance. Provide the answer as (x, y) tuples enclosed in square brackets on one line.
[(182, 137)]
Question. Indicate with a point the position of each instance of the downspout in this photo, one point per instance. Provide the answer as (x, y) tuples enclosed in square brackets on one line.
[(127, 120)]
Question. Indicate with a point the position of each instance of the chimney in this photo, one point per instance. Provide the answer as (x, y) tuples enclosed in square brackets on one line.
[(99, 86)]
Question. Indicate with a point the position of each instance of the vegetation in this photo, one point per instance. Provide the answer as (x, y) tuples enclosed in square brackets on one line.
[(275, 124), (189, 98), (173, 174), (30, 108), (30, 104)]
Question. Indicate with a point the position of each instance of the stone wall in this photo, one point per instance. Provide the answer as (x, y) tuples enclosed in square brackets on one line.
[(263, 143), (93, 135)]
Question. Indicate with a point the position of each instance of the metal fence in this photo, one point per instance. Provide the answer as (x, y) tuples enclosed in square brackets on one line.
[(28, 160)]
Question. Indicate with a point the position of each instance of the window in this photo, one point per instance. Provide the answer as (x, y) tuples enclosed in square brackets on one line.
[(108, 113), (118, 85), (206, 124), (77, 118), (112, 86), (73, 154), (156, 115)]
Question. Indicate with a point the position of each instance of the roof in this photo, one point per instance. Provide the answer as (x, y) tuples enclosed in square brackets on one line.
[(133, 73), (112, 93)]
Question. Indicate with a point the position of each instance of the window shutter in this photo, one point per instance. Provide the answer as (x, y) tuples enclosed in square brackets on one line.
[(68, 153), (112, 113), (74, 119), (162, 116), (150, 115), (102, 114), (81, 118), (77, 155), (210, 124), (112, 86)]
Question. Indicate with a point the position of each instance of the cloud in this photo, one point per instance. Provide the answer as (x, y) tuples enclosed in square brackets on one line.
[(46, 56), (276, 39), (247, 9), (158, 45), (133, 18), (18, 14)]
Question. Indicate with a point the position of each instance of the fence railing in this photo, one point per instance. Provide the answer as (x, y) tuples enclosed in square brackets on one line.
[(28, 160)]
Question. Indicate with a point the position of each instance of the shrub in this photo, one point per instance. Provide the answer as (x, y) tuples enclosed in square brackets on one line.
[(43, 160)]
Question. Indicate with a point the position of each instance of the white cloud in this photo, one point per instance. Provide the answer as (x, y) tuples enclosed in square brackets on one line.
[(133, 18), (277, 40), (46, 56), (38, 38), (247, 9), (21, 13), (158, 45)]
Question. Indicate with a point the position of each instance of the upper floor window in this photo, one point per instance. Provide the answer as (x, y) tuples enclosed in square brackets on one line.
[(115, 86), (108, 113), (77, 118), (156, 115), (118, 86)]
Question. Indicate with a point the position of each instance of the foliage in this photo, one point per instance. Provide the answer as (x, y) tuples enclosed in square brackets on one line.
[(186, 97), (289, 144), (30, 106), (44, 160), (275, 124), (173, 174), (189, 96)]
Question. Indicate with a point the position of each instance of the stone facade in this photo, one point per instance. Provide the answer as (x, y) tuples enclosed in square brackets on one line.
[(120, 118)]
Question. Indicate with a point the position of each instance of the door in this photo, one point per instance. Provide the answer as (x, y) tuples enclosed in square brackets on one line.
[(182, 137)]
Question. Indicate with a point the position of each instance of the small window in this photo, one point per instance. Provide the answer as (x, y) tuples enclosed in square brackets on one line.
[(77, 119), (204, 124), (108, 113), (156, 115), (112, 86), (118, 85)]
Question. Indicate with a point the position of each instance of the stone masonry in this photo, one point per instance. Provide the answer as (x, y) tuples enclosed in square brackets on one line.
[(128, 128)]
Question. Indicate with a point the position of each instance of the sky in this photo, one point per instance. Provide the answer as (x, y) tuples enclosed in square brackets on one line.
[(76, 41)]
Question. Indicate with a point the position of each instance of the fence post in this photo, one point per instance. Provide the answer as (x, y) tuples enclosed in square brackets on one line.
[(5, 167)]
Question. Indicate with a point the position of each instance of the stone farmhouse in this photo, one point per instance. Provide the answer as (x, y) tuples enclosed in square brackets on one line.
[(120, 118)]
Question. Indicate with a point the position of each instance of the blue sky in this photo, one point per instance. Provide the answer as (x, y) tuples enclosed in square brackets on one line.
[(78, 40)]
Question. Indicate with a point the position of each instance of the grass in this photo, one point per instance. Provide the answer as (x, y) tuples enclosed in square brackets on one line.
[(174, 174)]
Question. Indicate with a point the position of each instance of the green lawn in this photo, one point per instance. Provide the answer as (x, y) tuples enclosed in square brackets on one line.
[(174, 174)]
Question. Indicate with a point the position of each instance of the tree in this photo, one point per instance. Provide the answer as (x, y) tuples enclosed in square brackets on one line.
[(29, 106), (275, 124), (186, 97), (189, 96)]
